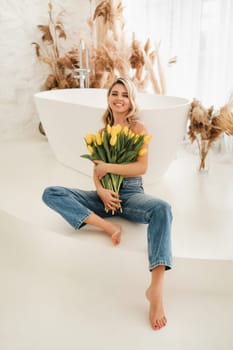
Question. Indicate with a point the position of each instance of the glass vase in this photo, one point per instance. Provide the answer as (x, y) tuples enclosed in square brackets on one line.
[(203, 165)]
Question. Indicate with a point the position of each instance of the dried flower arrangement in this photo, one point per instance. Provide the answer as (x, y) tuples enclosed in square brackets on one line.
[(206, 126), (110, 53), (61, 65)]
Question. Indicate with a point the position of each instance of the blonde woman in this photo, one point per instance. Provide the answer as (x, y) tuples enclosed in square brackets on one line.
[(79, 207)]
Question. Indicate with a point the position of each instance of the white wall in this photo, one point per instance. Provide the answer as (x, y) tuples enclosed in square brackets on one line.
[(21, 74)]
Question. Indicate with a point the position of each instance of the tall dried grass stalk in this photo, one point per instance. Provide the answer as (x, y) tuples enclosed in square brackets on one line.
[(160, 71)]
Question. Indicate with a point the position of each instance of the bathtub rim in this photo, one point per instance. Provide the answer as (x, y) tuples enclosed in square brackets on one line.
[(46, 95)]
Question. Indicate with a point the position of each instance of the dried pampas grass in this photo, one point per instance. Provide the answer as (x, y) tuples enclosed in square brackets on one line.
[(118, 57), (48, 51), (111, 55), (206, 126)]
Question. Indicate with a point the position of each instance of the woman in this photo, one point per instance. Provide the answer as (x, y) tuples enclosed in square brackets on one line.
[(80, 207)]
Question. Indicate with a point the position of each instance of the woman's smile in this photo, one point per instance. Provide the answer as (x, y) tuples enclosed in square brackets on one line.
[(118, 104)]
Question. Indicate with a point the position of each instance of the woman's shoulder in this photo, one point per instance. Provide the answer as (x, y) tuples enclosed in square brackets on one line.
[(138, 126)]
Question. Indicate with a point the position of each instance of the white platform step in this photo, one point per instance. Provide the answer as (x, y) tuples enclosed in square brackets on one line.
[(188, 274), (60, 292)]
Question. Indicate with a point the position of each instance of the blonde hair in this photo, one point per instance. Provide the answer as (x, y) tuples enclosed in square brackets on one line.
[(133, 111)]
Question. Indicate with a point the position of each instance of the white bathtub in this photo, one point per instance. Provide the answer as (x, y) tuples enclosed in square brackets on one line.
[(67, 115)]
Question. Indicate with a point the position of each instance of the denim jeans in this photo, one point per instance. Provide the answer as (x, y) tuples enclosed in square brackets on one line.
[(75, 205)]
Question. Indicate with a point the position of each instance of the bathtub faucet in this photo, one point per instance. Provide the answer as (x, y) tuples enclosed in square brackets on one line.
[(83, 72), (83, 77)]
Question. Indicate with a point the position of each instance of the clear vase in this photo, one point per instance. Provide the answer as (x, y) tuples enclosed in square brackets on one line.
[(203, 165)]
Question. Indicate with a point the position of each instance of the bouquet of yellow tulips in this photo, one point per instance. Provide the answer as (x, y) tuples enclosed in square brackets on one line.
[(115, 144)]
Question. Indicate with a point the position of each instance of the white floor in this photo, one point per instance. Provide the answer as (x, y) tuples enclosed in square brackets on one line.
[(63, 290)]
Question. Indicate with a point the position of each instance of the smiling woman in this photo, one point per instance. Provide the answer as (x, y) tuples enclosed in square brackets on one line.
[(81, 207)]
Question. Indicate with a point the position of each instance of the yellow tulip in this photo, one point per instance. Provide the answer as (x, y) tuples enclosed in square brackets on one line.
[(113, 140), (142, 152), (89, 139), (98, 138), (126, 130), (147, 139), (113, 131), (136, 138), (109, 128), (117, 129), (131, 134), (90, 149)]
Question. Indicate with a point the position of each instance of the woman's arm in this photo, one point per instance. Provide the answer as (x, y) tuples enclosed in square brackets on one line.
[(97, 182), (109, 198), (137, 168)]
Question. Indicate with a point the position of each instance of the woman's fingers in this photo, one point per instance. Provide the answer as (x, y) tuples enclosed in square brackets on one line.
[(115, 196), (113, 204)]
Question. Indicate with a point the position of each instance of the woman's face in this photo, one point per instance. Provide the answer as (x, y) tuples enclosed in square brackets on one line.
[(119, 99)]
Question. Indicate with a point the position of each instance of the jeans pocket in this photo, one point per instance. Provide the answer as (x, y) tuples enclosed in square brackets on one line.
[(132, 182)]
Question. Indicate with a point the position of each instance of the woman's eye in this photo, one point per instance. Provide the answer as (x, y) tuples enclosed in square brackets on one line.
[(116, 94)]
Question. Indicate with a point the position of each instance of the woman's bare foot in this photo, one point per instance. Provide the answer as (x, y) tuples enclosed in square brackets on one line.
[(156, 313), (116, 235), (113, 230)]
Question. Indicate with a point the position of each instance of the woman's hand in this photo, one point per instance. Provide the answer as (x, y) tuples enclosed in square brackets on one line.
[(110, 199), (100, 169)]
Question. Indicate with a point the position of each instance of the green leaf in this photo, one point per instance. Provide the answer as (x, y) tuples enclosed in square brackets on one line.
[(87, 156), (106, 147), (101, 153)]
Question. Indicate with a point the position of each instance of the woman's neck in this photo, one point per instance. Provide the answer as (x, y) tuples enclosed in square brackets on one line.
[(120, 119)]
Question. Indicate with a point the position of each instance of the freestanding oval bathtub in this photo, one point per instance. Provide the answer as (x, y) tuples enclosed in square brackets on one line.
[(67, 115)]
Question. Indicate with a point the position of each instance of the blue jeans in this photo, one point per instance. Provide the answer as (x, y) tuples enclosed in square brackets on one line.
[(75, 205)]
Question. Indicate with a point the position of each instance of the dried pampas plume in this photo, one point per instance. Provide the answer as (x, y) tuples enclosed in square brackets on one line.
[(225, 120), (111, 15)]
